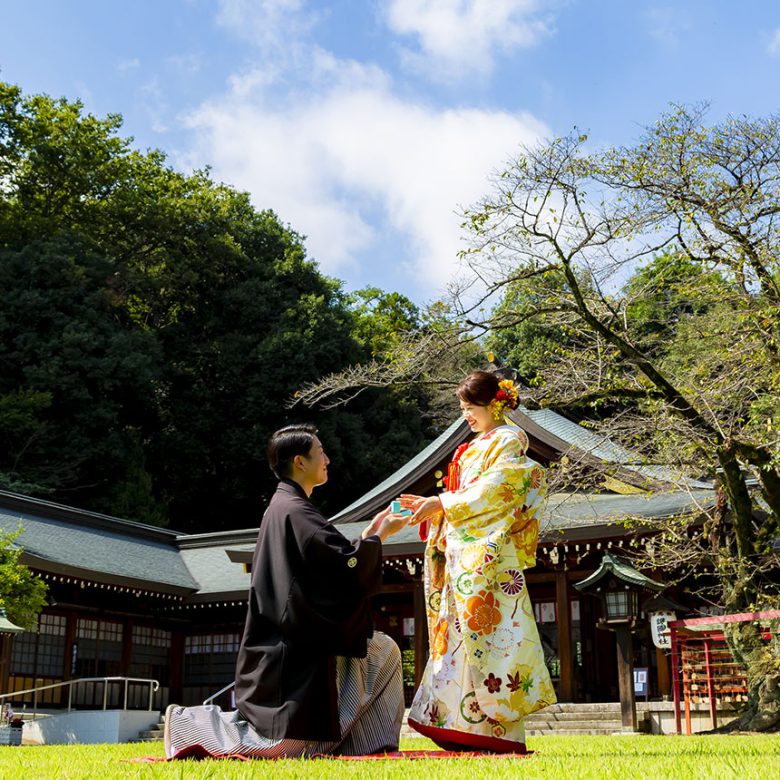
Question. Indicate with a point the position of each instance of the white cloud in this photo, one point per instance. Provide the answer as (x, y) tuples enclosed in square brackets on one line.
[(186, 64), (667, 24), (460, 37), (155, 104), (126, 65), (328, 160), (774, 44), (268, 24), (372, 179)]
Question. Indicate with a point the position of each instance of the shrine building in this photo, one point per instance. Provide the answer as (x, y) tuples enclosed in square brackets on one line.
[(132, 600)]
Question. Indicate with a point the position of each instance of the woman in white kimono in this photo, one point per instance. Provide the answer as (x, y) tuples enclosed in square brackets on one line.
[(486, 669)]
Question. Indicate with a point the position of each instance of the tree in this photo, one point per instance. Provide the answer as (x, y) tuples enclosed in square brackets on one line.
[(58, 166), (21, 593), (153, 326), (519, 336), (668, 292), (256, 325), (382, 319), (75, 378)]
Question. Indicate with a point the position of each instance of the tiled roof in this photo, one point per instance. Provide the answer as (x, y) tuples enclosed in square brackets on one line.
[(571, 434), (57, 538), (207, 556), (65, 540), (544, 424), (568, 511)]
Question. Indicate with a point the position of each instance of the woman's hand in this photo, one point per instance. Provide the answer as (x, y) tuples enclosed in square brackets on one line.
[(409, 501), (423, 508)]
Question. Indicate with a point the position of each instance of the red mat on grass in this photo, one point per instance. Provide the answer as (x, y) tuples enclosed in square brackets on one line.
[(404, 755)]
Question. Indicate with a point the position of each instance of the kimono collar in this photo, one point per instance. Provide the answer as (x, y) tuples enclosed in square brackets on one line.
[(291, 488), (488, 434)]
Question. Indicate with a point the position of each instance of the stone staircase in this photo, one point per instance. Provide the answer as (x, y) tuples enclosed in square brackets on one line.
[(155, 734), (580, 720)]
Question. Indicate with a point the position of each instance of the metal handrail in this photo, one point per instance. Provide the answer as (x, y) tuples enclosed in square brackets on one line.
[(219, 693), (154, 686)]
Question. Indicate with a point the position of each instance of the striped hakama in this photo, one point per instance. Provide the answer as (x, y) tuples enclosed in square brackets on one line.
[(371, 707)]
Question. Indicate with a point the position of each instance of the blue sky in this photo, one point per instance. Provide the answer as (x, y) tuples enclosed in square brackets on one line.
[(366, 124)]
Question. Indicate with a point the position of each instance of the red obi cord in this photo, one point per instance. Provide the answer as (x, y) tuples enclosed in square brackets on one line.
[(451, 483)]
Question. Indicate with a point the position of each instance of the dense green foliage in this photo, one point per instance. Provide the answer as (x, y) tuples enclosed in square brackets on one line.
[(668, 292), (519, 336), (153, 327), (22, 594), (76, 373)]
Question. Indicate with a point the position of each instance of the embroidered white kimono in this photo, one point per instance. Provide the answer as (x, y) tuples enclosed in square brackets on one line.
[(486, 669)]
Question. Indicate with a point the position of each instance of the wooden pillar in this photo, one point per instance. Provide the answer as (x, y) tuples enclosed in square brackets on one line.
[(565, 655), (127, 648), (625, 663), (5, 661), (710, 683), (676, 679), (591, 661), (664, 680), (70, 655), (420, 633), (176, 668)]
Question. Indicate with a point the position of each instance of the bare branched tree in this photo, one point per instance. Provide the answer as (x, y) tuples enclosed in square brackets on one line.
[(710, 196), (563, 240)]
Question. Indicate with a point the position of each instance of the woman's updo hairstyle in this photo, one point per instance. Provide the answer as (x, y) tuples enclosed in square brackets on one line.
[(478, 388)]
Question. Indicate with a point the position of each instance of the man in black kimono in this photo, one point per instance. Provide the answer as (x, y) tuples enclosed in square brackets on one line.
[(311, 676)]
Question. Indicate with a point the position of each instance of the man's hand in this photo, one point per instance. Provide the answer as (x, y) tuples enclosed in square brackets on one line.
[(385, 524)]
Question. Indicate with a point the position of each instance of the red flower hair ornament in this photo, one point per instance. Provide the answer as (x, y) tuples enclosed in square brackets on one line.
[(507, 397)]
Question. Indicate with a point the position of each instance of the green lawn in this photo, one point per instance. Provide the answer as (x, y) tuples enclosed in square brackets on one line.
[(568, 758)]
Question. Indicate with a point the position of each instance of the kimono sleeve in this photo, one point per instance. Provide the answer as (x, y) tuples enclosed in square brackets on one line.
[(350, 570), (509, 481), (328, 604)]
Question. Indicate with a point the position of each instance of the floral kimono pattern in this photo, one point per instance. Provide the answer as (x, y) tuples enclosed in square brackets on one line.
[(486, 669)]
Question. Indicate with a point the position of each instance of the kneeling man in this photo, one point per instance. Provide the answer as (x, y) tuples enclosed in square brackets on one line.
[(312, 676)]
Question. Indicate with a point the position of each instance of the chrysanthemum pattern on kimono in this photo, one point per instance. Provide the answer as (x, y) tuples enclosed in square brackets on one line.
[(486, 670)]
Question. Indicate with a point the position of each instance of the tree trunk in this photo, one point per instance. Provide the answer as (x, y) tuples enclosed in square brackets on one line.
[(761, 659), (733, 481)]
